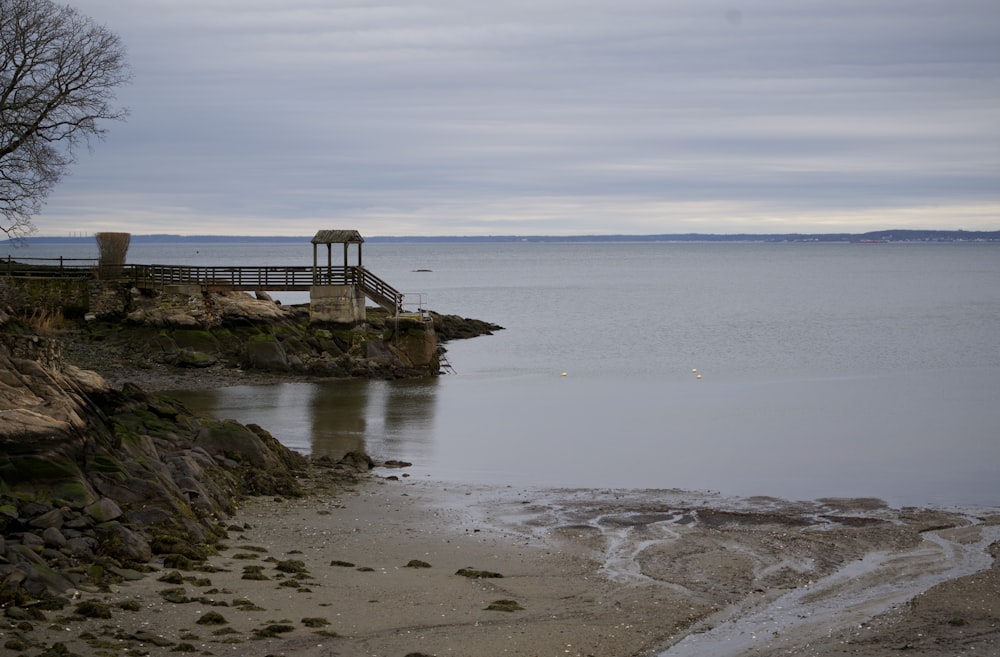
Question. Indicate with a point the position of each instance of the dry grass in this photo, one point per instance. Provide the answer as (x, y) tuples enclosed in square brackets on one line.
[(44, 321)]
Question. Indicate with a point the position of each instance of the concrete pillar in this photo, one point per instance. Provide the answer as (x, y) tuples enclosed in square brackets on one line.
[(339, 304)]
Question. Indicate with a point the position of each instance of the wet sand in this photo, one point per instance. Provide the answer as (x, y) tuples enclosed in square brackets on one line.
[(373, 569)]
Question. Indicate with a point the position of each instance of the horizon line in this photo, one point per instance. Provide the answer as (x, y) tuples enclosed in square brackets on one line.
[(518, 236)]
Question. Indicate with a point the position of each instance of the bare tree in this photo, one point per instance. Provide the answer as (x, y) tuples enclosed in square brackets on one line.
[(58, 74)]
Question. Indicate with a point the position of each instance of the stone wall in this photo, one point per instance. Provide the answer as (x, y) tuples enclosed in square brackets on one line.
[(109, 298), (30, 294), (30, 347), (71, 296)]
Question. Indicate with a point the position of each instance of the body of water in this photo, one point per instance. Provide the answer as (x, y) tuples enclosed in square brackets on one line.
[(825, 369)]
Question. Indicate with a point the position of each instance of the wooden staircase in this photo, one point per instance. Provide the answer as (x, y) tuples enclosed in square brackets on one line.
[(378, 290)]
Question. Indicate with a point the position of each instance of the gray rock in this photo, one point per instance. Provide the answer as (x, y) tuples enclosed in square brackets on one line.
[(22, 555), (33, 541), (31, 573), (191, 358), (43, 580), (18, 613), (145, 636), (53, 518), (81, 546), (201, 457), (233, 440), (31, 509), (150, 515), (196, 531), (122, 543), (53, 538), (126, 573), (103, 510), (227, 463), (79, 522), (267, 355), (53, 557)]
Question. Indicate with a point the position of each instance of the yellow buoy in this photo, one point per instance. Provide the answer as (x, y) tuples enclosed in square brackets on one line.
[(564, 373), (694, 371), (698, 377)]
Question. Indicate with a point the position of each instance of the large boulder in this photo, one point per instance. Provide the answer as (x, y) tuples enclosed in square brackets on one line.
[(123, 544), (267, 354), (103, 510)]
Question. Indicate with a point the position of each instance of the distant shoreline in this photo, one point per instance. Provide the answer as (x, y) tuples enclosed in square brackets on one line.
[(868, 237)]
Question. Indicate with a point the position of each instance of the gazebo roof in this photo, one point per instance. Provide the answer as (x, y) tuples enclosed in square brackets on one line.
[(337, 237)]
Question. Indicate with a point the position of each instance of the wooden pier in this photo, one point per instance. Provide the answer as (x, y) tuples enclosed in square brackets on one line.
[(335, 290), (269, 279)]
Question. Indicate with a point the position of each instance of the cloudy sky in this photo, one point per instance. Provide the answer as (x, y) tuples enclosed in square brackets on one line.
[(545, 117)]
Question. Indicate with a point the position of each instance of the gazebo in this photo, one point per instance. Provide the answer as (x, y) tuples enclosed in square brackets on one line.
[(338, 292), (335, 295), (329, 238)]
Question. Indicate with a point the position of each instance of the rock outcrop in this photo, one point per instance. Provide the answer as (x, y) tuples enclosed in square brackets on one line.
[(95, 482), (238, 332)]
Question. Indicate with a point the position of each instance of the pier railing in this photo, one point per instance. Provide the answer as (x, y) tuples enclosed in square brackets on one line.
[(247, 279), (279, 278), (377, 290), (225, 278), (51, 267)]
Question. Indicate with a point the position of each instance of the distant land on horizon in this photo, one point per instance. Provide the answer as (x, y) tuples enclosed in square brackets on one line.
[(907, 235)]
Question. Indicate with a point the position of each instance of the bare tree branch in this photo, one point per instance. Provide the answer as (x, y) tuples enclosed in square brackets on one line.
[(58, 76)]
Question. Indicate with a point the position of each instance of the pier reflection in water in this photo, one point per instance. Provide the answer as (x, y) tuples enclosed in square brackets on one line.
[(332, 418)]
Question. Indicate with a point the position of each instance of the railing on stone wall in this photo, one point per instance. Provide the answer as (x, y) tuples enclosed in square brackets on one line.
[(52, 267)]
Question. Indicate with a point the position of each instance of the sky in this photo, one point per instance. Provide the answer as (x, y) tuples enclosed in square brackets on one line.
[(544, 117)]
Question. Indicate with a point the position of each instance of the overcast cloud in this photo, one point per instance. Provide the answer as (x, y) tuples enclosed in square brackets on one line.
[(467, 117)]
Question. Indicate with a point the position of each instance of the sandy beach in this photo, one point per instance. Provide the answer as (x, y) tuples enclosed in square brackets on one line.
[(391, 566)]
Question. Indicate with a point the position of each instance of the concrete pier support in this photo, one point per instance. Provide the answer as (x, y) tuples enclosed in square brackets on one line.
[(340, 304)]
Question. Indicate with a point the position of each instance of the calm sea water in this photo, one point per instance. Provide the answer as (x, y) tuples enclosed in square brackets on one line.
[(826, 369)]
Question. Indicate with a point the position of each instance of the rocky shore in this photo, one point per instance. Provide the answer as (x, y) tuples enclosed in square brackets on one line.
[(232, 338), (102, 483), (130, 526), (95, 481)]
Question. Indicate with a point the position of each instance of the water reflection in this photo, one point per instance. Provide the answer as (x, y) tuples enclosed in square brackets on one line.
[(386, 419), (409, 409), (339, 416)]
